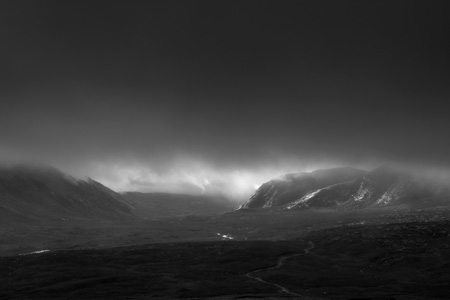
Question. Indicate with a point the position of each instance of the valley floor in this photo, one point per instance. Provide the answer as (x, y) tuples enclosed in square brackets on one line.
[(383, 255)]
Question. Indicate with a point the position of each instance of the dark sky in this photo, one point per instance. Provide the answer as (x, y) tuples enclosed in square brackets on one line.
[(193, 96)]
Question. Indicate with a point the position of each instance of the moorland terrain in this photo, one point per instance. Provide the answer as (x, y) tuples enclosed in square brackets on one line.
[(388, 252)]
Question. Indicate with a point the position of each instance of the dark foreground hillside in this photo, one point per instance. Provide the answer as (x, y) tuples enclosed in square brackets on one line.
[(395, 261), (392, 261)]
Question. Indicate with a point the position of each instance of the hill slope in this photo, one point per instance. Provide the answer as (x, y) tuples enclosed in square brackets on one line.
[(336, 189), (288, 188), (32, 191)]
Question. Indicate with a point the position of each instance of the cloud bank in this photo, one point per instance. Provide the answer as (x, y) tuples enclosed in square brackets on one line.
[(187, 175)]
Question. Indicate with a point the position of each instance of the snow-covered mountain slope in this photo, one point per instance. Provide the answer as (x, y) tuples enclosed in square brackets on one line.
[(292, 187), (382, 187)]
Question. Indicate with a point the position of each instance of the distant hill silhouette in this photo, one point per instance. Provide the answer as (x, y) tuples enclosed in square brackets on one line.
[(157, 205)]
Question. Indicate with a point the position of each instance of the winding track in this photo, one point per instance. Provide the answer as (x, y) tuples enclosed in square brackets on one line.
[(280, 262)]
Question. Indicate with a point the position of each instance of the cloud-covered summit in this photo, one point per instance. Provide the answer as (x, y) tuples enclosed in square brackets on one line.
[(120, 91)]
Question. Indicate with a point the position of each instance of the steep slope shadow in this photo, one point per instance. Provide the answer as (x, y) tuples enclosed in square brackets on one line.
[(36, 192)]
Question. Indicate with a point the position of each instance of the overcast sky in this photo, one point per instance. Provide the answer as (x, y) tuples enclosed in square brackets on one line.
[(219, 96)]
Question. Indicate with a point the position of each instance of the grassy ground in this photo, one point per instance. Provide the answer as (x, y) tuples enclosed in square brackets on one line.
[(384, 261), (393, 261), (177, 270), (18, 238)]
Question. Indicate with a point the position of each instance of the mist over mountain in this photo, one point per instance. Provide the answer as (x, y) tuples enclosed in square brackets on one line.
[(346, 188), (32, 192), (170, 115), (288, 188), (37, 191)]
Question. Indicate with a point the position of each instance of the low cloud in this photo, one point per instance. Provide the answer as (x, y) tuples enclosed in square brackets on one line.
[(187, 175)]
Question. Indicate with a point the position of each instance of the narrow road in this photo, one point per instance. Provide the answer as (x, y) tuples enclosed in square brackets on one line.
[(280, 263)]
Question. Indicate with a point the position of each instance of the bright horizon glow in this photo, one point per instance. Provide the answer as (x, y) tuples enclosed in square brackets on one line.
[(192, 177)]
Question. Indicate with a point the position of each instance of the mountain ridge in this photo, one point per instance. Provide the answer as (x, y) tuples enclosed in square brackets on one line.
[(383, 186), (38, 191), (287, 188), (33, 192)]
